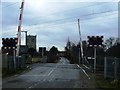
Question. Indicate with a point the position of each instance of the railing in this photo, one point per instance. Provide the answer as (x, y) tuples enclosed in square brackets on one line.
[(112, 67), (9, 65)]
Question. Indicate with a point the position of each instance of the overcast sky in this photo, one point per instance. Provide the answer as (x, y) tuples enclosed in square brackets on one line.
[(54, 22)]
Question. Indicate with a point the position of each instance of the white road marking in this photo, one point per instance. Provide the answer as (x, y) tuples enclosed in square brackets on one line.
[(84, 71), (34, 75), (86, 66), (50, 72), (16, 75), (30, 87), (44, 79), (41, 75)]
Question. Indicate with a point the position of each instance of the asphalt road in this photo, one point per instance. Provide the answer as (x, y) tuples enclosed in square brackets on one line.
[(51, 75)]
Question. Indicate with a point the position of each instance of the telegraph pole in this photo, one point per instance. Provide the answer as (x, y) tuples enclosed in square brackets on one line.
[(19, 28), (80, 49)]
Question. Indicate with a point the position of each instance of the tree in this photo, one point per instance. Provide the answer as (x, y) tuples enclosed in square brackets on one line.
[(75, 53), (68, 45), (117, 41), (112, 47), (114, 51), (72, 52), (31, 51), (109, 43), (68, 53)]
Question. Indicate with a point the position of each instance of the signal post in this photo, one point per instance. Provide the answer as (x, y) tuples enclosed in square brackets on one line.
[(95, 41)]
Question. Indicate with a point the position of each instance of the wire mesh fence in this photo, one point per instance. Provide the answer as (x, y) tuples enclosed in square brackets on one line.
[(99, 64), (9, 64), (112, 67)]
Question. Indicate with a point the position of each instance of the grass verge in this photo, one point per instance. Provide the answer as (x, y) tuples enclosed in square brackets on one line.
[(18, 71), (100, 82)]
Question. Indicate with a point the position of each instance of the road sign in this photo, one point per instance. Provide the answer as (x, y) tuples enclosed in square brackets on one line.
[(94, 41)]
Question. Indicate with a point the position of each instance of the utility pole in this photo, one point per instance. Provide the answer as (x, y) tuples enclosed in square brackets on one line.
[(19, 28), (14, 56), (80, 49)]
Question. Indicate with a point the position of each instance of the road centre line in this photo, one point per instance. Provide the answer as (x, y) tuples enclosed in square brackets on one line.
[(43, 79)]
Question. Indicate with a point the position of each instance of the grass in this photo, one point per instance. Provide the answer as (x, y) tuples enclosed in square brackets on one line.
[(18, 71), (106, 83)]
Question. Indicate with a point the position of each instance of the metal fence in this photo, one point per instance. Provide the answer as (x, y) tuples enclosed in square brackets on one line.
[(112, 67), (9, 64), (99, 64)]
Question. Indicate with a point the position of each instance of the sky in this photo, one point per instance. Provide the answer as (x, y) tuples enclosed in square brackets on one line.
[(54, 21)]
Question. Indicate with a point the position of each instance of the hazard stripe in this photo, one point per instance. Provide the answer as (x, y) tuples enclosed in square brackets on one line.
[(18, 28), (20, 18), (22, 5)]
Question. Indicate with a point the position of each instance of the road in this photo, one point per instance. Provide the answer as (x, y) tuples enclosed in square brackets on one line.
[(51, 75)]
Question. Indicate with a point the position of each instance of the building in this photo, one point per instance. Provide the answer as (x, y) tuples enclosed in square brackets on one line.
[(42, 51), (31, 41), (23, 49)]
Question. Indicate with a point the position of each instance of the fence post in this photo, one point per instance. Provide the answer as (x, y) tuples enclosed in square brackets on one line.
[(105, 67), (14, 56), (94, 59), (115, 68)]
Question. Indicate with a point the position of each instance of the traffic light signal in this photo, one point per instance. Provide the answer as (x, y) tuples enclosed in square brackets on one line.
[(95, 41), (9, 43)]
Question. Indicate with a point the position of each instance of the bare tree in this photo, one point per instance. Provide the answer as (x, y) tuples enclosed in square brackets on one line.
[(110, 42), (117, 41)]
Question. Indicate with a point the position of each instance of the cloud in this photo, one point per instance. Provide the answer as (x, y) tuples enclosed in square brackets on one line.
[(66, 0), (54, 22), (10, 14)]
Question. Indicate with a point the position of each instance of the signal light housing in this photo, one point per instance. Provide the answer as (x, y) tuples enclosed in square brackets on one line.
[(9, 43), (95, 41)]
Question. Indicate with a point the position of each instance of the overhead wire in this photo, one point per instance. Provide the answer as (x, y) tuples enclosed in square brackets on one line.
[(10, 5), (70, 10), (57, 25), (67, 22), (65, 11), (70, 18), (65, 19)]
